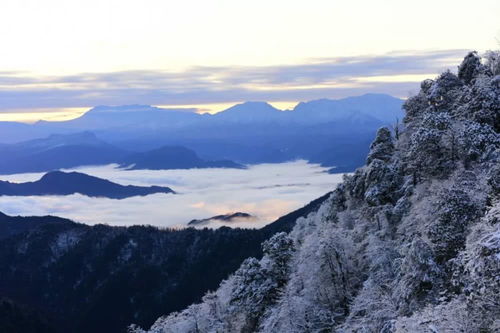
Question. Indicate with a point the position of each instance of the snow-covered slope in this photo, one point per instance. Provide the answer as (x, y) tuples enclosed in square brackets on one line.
[(408, 243)]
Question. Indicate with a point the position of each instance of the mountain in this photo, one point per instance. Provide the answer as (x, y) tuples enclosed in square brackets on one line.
[(63, 183), (226, 218), (82, 278), (12, 132), (361, 109), (60, 151), (410, 242), (12, 225), (143, 117), (255, 132), (171, 157), (247, 133), (56, 152), (249, 112)]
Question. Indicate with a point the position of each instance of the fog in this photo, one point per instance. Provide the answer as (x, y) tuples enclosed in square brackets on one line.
[(266, 191)]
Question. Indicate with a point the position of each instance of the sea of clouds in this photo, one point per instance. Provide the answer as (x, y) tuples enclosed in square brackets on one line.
[(267, 191)]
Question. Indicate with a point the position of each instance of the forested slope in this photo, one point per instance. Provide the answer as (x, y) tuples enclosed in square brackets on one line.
[(409, 243)]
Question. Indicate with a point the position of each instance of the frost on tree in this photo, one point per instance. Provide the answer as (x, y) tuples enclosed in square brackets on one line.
[(471, 68), (410, 242), (455, 211), (382, 147)]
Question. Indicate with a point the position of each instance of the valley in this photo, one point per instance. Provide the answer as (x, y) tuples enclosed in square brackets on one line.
[(266, 191)]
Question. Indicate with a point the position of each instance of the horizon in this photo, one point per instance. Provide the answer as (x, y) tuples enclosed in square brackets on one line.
[(174, 56), (398, 82), (279, 106)]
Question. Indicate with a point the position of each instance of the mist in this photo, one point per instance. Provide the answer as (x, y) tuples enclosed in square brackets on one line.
[(266, 191)]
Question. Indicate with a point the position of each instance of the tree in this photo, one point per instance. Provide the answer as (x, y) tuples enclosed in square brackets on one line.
[(443, 92), (478, 139), (381, 179), (432, 147), (418, 276), (471, 67), (455, 211), (257, 283), (382, 147), (493, 61)]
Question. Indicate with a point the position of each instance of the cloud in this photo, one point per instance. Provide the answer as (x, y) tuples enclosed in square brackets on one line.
[(266, 191), (319, 78)]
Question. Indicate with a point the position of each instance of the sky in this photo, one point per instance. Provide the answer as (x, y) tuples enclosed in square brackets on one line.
[(61, 57), (266, 191)]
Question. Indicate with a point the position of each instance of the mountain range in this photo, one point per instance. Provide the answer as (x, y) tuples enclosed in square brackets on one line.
[(64, 183), (334, 133), (63, 151)]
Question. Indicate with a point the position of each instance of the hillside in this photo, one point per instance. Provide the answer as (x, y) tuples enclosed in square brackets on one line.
[(63, 151), (81, 278), (409, 243), (58, 151), (66, 183)]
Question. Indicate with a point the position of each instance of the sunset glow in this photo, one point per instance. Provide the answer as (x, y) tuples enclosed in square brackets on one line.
[(62, 57)]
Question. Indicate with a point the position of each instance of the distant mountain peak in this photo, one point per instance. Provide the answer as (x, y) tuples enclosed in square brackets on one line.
[(252, 106), (229, 218), (123, 108), (368, 107), (135, 108), (57, 174), (250, 112), (53, 174)]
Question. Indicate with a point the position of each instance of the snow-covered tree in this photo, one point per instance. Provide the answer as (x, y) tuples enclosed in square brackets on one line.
[(418, 276), (471, 68), (478, 141), (481, 267), (382, 147), (257, 284), (408, 243), (493, 61), (455, 211), (444, 91), (381, 180)]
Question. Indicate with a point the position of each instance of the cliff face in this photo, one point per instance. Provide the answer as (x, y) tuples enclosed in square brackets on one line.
[(408, 243)]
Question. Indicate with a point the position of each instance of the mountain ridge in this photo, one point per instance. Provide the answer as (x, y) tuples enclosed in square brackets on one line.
[(99, 278), (64, 183), (172, 157), (64, 151)]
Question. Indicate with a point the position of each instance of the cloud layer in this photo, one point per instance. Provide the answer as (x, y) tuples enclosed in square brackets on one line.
[(394, 73), (267, 191)]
